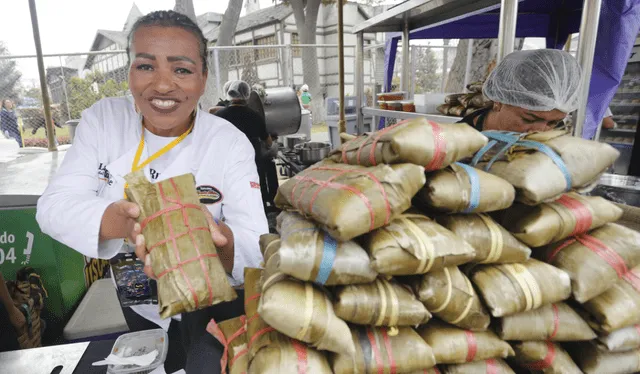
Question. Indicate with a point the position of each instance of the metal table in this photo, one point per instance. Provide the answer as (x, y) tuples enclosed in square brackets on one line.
[(44, 360)]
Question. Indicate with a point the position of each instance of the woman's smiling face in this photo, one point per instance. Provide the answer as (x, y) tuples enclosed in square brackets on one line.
[(166, 77)]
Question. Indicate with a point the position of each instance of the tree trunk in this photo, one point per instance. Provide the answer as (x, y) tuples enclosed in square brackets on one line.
[(186, 7), (306, 21), (227, 30), (482, 62)]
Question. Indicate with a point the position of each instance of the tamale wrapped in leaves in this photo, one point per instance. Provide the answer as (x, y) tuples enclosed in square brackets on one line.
[(270, 245), (492, 243), (570, 215), (538, 177), (596, 260), (414, 244), (444, 109), (475, 87), (287, 355), (479, 101), (381, 303), (259, 334), (625, 339), (232, 335), (449, 295), (184, 259), (595, 361), (463, 189), (309, 254), (619, 306), (457, 110), (493, 366), (515, 288), (453, 99), (348, 201), (555, 322), (418, 141), (380, 351), (544, 357), (304, 312), (452, 345), (465, 99)]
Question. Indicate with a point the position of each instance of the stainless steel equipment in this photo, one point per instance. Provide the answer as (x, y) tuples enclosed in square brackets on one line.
[(281, 110), (312, 152), (621, 189), (290, 141)]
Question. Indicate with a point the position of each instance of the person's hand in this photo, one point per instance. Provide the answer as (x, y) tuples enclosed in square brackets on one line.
[(217, 229), (16, 318), (119, 221)]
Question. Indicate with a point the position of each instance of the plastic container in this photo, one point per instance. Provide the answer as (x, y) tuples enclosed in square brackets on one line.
[(382, 105), (408, 106), (140, 343), (391, 96), (394, 105)]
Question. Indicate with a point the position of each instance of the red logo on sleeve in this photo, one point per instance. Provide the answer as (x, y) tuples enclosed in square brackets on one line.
[(255, 185)]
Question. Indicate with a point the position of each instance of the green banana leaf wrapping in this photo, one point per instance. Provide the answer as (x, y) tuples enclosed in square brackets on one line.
[(453, 99), (287, 355), (378, 350), (544, 357), (452, 345), (457, 110), (625, 339), (259, 334), (232, 335), (348, 201), (189, 273), (270, 246), (493, 365), (451, 190), (515, 288), (619, 306), (381, 303), (595, 261), (309, 254), (595, 361), (415, 244), (492, 243), (538, 179), (418, 141), (556, 322), (570, 215), (304, 312), (450, 296)]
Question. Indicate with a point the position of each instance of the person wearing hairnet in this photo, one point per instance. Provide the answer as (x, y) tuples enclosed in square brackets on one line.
[(252, 125), (531, 91)]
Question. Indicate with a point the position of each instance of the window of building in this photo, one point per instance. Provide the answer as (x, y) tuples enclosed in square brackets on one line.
[(266, 53), (295, 39)]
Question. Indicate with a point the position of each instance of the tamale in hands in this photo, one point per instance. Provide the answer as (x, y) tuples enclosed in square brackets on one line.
[(493, 366), (450, 296), (287, 355), (492, 243), (379, 350), (555, 322), (184, 259), (544, 357), (309, 254), (304, 312), (595, 261), (619, 306), (348, 201), (452, 345), (418, 141), (381, 303), (232, 335), (595, 361), (625, 339), (515, 288), (570, 215), (464, 189), (414, 244)]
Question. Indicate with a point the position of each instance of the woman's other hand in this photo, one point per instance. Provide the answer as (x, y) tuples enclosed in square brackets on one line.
[(119, 221), (223, 239)]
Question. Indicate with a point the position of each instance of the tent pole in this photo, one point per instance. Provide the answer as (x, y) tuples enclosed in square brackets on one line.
[(359, 81), (507, 30), (406, 65), (342, 125), (48, 121), (586, 50), (467, 72)]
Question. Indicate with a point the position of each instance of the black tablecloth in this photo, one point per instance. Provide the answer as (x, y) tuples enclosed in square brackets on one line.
[(96, 351)]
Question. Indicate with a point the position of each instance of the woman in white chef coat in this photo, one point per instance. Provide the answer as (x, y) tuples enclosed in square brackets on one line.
[(161, 130)]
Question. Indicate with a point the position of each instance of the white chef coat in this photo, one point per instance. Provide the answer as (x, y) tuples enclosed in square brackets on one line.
[(91, 177)]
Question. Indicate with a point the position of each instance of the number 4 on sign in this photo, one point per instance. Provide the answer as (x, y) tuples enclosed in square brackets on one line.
[(10, 255), (27, 251)]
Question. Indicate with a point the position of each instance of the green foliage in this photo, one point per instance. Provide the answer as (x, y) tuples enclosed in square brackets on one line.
[(9, 76), (428, 79), (85, 92), (34, 93)]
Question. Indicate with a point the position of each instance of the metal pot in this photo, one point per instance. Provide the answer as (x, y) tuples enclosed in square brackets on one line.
[(281, 110), (312, 152), (290, 141), (621, 189)]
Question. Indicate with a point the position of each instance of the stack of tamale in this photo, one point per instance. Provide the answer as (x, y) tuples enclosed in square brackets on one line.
[(463, 104)]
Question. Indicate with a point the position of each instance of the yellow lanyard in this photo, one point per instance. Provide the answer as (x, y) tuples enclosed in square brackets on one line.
[(136, 166)]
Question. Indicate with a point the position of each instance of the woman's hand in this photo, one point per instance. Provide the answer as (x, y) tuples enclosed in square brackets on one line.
[(220, 233)]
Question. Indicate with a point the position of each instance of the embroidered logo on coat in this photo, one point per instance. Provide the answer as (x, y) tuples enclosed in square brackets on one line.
[(209, 194), (104, 175), (255, 185)]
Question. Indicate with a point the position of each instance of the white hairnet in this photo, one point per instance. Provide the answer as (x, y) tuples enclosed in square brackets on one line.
[(304, 88), (238, 90), (538, 80)]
